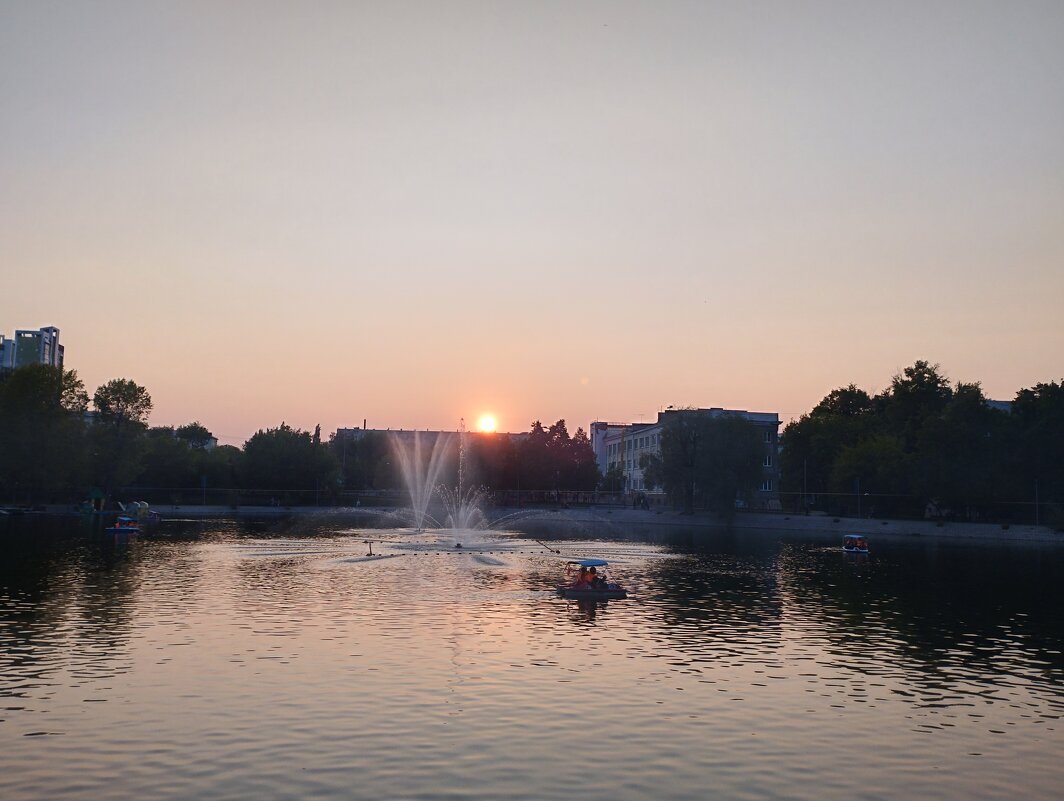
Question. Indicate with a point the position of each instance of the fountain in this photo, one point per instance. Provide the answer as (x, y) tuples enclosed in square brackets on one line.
[(421, 475)]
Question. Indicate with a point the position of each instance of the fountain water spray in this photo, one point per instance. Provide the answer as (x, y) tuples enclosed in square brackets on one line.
[(422, 476)]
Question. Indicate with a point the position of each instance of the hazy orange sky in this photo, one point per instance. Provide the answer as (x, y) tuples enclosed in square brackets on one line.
[(417, 212)]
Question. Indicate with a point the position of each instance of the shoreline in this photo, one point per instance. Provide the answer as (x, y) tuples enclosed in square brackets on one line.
[(820, 526)]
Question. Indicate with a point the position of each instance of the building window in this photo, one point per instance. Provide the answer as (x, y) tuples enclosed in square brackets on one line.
[(768, 437), (768, 460), (766, 485)]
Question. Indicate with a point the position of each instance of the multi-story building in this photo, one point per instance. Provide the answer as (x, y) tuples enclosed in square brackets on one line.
[(408, 435), (31, 347), (621, 445)]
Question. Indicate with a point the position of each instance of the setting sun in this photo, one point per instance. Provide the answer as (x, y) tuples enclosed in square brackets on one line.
[(486, 423)]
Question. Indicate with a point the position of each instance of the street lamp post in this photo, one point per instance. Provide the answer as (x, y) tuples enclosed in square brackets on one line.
[(805, 485)]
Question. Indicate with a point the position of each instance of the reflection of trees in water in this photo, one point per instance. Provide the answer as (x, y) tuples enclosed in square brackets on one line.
[(65, 599), (938, 614), (701, 604), (718, 606), (946, 618)]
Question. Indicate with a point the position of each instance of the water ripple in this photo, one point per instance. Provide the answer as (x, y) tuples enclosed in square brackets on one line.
[(235, 664)]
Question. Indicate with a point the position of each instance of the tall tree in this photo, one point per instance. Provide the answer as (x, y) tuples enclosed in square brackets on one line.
[(41, 430), (1038, 450), (122, 409), (917, 395), (195, 434), (581, 472), (535, 471), (122, 402), (712, 459), (814, 441), (729, 462)]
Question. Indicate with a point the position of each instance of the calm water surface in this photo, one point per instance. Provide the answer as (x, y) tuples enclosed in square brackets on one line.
[(234, 661)]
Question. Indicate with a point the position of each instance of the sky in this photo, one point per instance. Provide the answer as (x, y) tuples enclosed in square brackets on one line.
[(413, 213)]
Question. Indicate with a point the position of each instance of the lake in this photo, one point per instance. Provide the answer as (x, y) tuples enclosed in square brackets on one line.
[(277, 660)]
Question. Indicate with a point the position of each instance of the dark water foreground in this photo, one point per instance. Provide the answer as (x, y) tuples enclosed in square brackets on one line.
[(233, 661)]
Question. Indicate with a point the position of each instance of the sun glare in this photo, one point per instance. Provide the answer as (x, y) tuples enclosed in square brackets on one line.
[(486, 423)]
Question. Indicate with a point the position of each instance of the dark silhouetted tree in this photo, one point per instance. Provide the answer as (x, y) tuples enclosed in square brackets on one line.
[(41, 431), (287, 460), (117, 436)]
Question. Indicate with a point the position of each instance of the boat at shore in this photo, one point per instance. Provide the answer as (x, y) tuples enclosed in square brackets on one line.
[(124, 525), (589, 582), (855, 543)]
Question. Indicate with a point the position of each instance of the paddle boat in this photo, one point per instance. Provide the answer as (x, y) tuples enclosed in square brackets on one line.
[(124, 525), (855, 543), (588, 581)]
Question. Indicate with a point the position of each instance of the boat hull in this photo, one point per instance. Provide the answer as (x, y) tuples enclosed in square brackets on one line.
[(591, 595)]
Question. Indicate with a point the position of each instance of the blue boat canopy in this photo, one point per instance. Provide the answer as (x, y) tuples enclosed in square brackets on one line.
[(854, 537), (589, 562)]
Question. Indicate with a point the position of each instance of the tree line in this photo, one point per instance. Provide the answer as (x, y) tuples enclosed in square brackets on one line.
[(58, 445), (923, 447), (927, 448)]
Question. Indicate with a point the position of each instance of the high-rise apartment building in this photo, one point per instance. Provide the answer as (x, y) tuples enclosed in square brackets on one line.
[(31, 347)]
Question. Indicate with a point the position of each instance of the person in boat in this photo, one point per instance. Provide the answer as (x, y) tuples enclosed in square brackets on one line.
[(594, 582), (589, 578), (581, 579)]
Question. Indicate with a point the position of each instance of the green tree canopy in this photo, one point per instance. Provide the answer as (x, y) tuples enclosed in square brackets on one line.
[(924, 440), (168, 462), (286, 459), (117, 437), (1038, 444), (121, 402), (551, 459), (196, 435), (715, 459), (41, 430)]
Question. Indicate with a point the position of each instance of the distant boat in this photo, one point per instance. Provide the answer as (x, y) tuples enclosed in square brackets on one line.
[(855, 543), (589, 581), (124, 525)]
